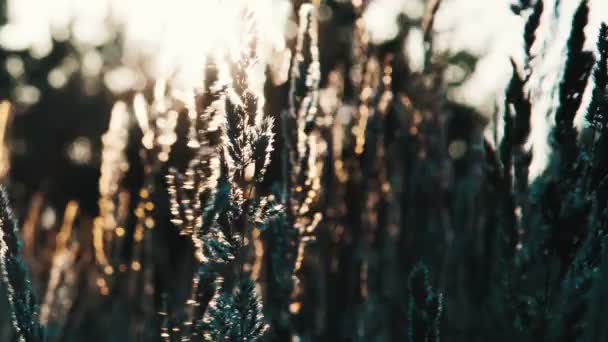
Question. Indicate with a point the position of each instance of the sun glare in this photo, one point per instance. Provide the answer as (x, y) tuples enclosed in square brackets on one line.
[(182, 35), (163, 39)]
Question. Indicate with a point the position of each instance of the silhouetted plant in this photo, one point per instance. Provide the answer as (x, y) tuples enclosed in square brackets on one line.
[(555, 245)]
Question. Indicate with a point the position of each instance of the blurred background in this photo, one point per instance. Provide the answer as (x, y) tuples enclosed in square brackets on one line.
[(65, 62)]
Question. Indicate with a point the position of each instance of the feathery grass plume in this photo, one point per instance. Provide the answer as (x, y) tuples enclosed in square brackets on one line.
[(510, 178), (518, 110), (157, 121), (588, 200), (598, 110), (576, 72), (517, 113), (57, 302), (232, 151), (364, 76), (508, 173), (244, 147), (360, 46), (425, 307), (246, 143), (514, 155), (198, 196), (517, 124), (303, 163), (518, 101), (235, 316), (369, 85), (376, 192), (306, 155), (561, 195), (15, 277), (194, 205), (506, 158), (387, 159), (544, 287), (351, 93), (114, 165), (248, 137)]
